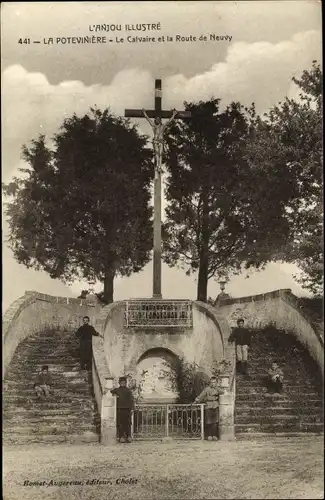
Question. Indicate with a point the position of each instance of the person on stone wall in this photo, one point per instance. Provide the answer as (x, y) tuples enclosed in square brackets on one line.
[(242, 338), (43, 383), (85, 334), (124, 406), (210, 396)]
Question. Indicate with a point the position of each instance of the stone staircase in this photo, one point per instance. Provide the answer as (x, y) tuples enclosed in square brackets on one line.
[(69, 414), (299, 409)]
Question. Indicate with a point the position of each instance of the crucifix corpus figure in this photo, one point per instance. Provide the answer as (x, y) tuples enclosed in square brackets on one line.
[(155, 117), (158, 128)]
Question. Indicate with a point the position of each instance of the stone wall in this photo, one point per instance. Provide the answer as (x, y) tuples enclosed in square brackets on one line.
[(279, 309), (124, 346), (100, 371), (35, 312)]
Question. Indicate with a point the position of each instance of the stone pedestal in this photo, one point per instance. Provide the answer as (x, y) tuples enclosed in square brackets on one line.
[(226, 417), (108, 416)]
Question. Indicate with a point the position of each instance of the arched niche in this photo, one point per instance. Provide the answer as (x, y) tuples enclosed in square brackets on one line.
[(154, 376)]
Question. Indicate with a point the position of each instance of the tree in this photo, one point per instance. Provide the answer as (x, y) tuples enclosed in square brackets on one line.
[(220, 213), (288, 142), (82, 209)]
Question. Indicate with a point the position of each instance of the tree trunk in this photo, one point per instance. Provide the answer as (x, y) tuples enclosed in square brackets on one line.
[(202, 286), (109, 285)]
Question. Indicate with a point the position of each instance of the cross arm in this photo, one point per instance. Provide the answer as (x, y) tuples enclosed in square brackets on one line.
[(138, 113)]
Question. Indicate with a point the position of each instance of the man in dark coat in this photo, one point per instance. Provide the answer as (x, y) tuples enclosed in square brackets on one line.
[(125, 405), (85, 334), (242, 338)]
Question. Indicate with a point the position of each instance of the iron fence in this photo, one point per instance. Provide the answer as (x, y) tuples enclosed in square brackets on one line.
[(178, 421), (156, 312)]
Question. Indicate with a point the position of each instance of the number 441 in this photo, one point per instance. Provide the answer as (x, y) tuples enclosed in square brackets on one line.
[(24, 40)]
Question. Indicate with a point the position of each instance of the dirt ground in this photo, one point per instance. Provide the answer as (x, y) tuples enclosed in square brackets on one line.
[(273, 468)]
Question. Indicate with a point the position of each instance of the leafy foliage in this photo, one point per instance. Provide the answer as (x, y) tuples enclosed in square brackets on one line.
[(288, 144), (82, 210), (245, 190), (313, 307), (187, 379), (222, 367), (220, 212)]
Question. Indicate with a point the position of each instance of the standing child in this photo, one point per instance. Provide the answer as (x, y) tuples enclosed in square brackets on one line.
[(43, 383), (242, 338), (125, 405), (210, 396)]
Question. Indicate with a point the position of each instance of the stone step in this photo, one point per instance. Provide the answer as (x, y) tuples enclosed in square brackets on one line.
[(39, 409), (57, 386), (69, 414), (258, 360), (290, 395), (31, 369), (36, 364), (261, 361), (271, 404), (59, 382), (49, 341), (88, 437), (266, 402), (283, 410), (57, 428), (45, 340), (62, 394), (55, 399), (52, 421), (258, 382), (268, 435), (286, 388), (263, 372), (277, 419), (44, 414), (58, 346), (48, 413), (48, 360), (57, 372), (293, 378), (299, 426), (263, 398)]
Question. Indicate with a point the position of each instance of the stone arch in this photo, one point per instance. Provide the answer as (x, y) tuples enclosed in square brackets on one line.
[(156, 350), (153, 374), (141, 347)]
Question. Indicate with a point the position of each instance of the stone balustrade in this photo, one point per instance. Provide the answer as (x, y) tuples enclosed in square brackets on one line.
[(37, 312), (279, 309)]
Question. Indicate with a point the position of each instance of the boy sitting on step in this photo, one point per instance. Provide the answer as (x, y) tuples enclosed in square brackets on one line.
[(275, 378), (43, 383)]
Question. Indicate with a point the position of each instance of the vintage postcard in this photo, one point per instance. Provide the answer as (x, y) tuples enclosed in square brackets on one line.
[(162, 250)]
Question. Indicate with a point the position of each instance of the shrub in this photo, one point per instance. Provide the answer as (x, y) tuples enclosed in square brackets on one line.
[(188, 380)]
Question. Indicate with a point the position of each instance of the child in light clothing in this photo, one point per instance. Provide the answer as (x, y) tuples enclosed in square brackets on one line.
[(210, 396)]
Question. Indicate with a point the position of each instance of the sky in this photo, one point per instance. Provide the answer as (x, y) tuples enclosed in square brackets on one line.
[(265, 44)]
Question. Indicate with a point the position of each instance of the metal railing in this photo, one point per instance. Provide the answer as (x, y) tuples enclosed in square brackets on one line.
[(156, 312), (178, 421)]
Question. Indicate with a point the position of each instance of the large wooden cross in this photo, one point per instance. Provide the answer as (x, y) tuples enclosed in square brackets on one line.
[(158, 128)]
